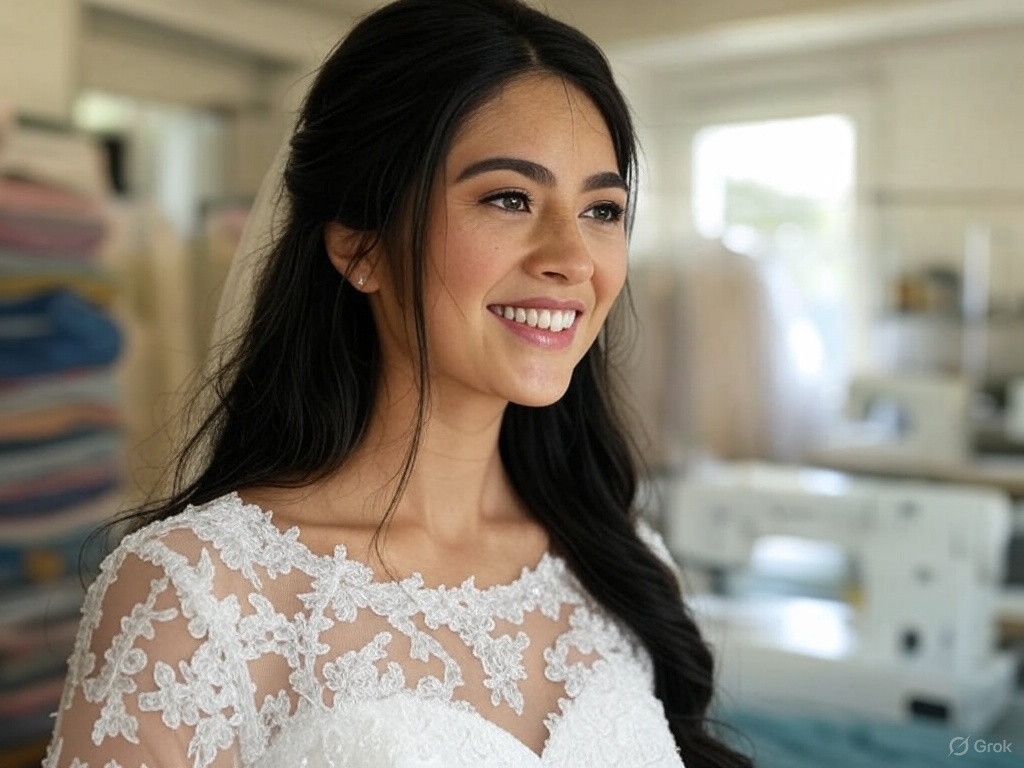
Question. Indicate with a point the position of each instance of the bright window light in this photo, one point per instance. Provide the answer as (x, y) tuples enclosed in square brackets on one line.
[(784, 190), (809, 158)]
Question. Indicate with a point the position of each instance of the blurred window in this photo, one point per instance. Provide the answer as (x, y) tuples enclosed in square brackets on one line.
[(170, 155), (785, 190)]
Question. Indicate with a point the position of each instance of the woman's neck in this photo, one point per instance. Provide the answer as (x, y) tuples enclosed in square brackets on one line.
[(457, 482)]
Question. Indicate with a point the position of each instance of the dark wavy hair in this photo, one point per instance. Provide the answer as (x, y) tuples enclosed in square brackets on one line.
[(292, 401)]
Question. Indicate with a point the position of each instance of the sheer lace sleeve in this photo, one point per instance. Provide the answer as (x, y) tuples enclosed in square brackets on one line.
[(144, 687)]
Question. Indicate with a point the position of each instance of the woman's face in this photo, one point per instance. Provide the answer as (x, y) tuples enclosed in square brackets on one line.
[(526, 247)]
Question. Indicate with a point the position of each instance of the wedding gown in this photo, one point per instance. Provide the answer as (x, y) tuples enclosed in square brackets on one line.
[(230, 643)]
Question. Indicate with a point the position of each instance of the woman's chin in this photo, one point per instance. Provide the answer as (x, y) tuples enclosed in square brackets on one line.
[(540, 396)]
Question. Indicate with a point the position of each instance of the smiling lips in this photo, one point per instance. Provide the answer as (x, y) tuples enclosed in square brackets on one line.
[(553, 320)]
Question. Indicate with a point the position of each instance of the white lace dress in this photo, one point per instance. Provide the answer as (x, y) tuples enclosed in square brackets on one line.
[(215, 639)]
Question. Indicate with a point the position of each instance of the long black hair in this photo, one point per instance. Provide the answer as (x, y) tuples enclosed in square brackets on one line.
[(292, 402)]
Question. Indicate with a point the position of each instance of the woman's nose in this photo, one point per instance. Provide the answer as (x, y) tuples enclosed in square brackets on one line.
[(562, 253)]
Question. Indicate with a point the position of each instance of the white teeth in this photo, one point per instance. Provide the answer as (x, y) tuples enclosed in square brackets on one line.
[(545, 319)]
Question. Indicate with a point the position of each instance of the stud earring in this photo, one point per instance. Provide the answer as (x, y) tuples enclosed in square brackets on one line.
[(360, 281)]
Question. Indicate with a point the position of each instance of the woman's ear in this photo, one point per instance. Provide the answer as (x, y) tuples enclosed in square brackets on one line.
[(353, 254)]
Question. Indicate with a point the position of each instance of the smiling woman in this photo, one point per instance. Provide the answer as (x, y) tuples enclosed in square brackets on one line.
[(527, 217), (413, 537)]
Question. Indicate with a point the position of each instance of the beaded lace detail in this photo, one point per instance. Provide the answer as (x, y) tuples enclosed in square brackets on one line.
[(215, 639)]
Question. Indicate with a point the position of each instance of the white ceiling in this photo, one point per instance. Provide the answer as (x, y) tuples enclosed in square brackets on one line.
[(703, 27), (659, 32), (613, 22), (623, 22)]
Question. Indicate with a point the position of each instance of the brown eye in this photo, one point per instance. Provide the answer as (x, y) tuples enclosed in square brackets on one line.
[(606, 212), (516, 202)]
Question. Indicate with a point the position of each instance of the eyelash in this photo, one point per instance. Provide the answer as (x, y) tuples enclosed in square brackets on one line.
[(615, 211), (508, 194)]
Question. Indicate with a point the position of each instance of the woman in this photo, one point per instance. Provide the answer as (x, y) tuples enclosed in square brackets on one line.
[(411, 540)]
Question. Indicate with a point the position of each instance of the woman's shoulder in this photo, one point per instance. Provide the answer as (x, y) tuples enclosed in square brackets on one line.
[(206, 520), (220, 548), (226, 528), (165, 606), (201, 564)]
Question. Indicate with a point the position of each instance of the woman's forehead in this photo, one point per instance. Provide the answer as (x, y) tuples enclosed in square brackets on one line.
[(536, 111)]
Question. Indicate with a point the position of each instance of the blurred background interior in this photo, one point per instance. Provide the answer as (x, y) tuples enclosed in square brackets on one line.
[(828, 274)]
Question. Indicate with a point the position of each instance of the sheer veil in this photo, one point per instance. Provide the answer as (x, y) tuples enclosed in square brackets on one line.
[(262, 227), (268, 214)]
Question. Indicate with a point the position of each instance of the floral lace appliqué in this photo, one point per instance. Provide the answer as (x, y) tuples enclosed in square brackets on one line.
[(252, 650)]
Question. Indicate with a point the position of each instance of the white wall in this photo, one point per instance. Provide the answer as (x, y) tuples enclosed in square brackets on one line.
[(135, 59), (39, 56), (950, 155)]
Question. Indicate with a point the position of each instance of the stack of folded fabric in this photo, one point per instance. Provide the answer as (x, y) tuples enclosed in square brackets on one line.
[(61, 440)]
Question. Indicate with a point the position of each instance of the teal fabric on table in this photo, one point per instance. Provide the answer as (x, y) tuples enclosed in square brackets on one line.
[(793, 741)]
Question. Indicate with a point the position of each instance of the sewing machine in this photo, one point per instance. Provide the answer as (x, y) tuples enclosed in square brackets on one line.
[(923, 418), (915, 636)]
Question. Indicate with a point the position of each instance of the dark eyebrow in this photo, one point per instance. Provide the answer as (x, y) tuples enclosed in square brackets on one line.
[(605, 180), (532, 171), (539, 174)]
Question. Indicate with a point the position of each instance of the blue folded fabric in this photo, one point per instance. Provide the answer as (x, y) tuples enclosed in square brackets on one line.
[(53, 332), (778, 740), (9, 447)]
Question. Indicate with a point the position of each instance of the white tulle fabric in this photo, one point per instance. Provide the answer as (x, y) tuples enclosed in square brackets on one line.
[(216, 639), (263, 226)]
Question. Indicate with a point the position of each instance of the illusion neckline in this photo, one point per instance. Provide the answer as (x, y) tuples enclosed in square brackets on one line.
[(548, 566)]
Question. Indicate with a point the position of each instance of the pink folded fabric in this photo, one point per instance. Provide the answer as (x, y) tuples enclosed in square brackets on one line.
[(78, 385), (22, 196), (51, 233), (34, 698), (49, 633), (85, 476), (52, 422)]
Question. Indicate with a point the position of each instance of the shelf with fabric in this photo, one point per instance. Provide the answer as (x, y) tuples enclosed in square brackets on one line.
[(61, 426)]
